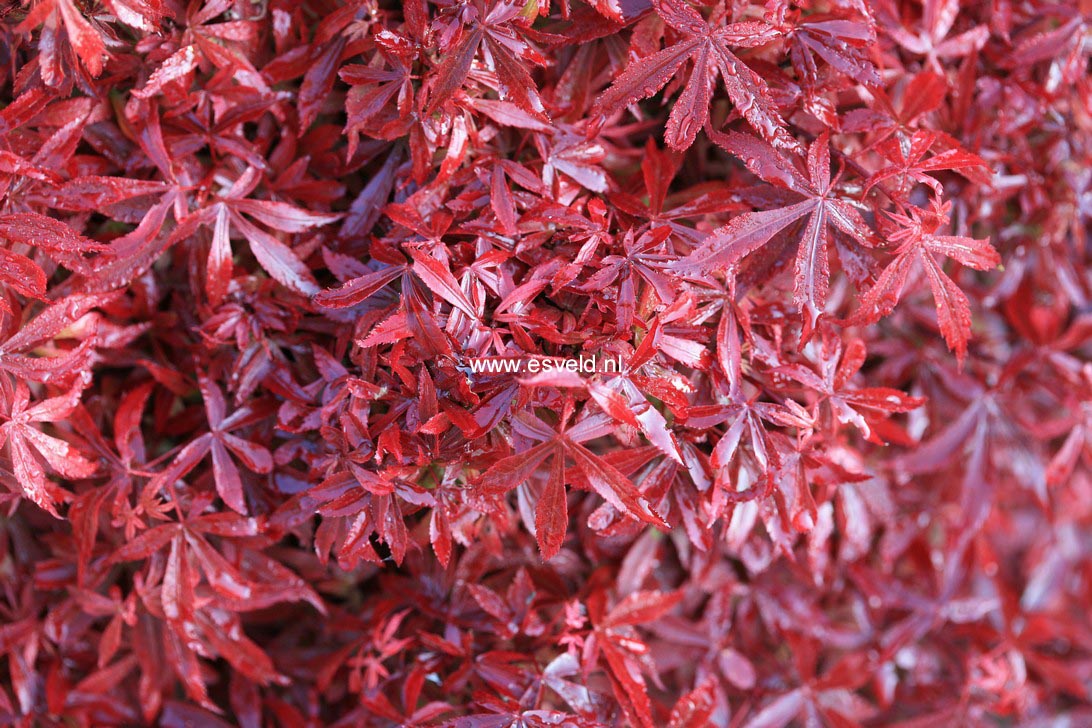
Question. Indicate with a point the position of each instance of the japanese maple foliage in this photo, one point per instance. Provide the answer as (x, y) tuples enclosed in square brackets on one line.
[(250, 252)]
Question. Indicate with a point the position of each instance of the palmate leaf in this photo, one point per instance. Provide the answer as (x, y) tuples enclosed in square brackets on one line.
[(708, 47), (222, 444), (274, 256), (841, 42), (826, 213), (908, 165), (848, 404), (505, 51), (85, 39), (29, 447), (918, 243), (551, 509), (621, 649)]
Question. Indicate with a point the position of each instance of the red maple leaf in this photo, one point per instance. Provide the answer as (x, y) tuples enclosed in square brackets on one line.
[(918, 243), (24, 440), (821, 204), (708, 45), (555, 446), (219, 441)]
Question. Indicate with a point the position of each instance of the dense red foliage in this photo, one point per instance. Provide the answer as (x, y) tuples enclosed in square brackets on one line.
[(250, 248)]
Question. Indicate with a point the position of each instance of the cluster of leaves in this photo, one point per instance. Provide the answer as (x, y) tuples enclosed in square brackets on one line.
[(250, 250)]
